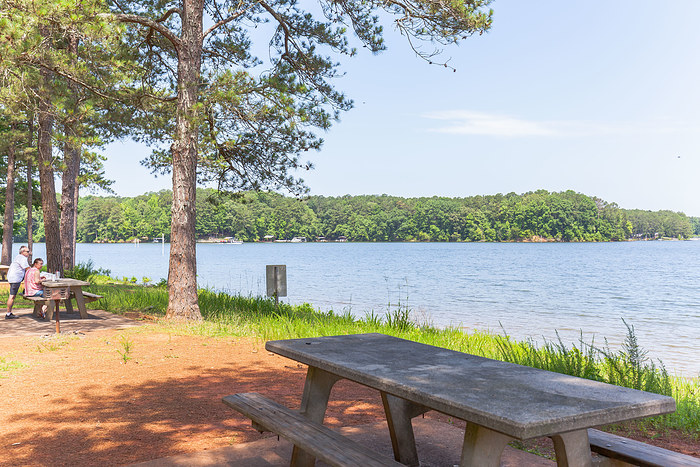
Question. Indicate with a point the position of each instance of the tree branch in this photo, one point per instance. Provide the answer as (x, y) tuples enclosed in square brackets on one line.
[(224, 21), (27, 59), (168, 13), (136, 19), (283, 24)]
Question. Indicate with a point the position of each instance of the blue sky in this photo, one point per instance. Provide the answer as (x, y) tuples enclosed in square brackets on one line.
[(599, 97)]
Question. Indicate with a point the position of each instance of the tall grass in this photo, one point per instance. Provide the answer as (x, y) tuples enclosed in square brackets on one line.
[(231, 315)]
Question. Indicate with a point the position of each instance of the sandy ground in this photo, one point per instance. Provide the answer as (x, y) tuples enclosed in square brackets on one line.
[(76, 401)]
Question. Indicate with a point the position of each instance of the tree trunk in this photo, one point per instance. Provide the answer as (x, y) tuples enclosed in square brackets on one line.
[(69, 207), (8, 224), (76, 194), (46, 178), (30, 190), (182, 274), (71, 160)]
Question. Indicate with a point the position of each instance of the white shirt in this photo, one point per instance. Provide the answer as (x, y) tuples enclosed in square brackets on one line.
[(16, 272)]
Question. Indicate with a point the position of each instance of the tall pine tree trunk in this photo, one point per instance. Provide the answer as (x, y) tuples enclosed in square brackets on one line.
[(182, 274), (8, 224), (75, 219), (71, 159), (46, 177), (30, 190)]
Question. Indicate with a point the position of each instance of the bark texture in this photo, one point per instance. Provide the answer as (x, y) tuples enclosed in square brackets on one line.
[(182, 273), (8, 224), (30, 190), (46, 179), (69, 205), (30, 199), (69, 181)]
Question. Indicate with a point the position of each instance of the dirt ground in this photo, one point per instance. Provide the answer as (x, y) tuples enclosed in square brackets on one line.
[(84, 400)]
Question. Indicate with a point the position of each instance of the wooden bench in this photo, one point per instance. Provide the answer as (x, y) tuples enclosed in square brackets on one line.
[(320, 441), (627, 452), (91, 297), (39, 302)]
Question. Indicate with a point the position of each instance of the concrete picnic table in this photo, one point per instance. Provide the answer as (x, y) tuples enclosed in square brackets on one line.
[(64, 289), (499, 401)]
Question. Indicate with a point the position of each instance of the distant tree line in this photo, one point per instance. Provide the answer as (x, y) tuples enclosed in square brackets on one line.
[(535, 216)]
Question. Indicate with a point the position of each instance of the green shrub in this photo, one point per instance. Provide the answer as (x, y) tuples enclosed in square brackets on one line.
[(84, 270)]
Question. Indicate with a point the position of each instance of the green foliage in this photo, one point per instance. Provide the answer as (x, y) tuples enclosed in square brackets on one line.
[(648, 224), (84, 271), (565, 216), (695, 225)]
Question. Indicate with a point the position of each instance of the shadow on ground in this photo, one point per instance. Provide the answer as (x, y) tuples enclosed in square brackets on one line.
[(139, 422), (28, 325)]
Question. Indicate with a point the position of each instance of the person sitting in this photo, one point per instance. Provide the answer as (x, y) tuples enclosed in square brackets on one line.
[(32, 283)]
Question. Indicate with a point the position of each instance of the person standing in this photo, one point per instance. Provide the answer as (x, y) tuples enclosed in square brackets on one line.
[(15, 276)]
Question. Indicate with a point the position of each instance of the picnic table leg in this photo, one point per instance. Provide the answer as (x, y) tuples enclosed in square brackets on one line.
[(573, 449), (482, 447), (50, 306), (68, 305), (80, 301), (314, 402), (399, 413), (37, 309)]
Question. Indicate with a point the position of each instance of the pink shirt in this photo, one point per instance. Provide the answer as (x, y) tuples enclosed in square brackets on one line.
[(31, 286)]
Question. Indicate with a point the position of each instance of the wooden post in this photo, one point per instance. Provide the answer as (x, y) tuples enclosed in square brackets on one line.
[(58, 321)]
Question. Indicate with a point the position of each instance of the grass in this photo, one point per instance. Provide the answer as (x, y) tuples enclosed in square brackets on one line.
[(8, 365), (126, 346), (53, 343)]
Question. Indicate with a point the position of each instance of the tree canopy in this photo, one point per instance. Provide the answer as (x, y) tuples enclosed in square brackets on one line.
[(540, 215)]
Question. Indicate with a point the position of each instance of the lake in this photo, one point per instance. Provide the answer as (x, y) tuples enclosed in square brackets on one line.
[(527, 289)]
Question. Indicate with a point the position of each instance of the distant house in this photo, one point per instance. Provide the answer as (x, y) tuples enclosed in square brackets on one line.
[(268, 238), (342, 238), (298, 240)]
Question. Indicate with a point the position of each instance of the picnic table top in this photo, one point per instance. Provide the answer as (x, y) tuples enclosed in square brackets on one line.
[(4, 267), (65, 282), (518, 401)]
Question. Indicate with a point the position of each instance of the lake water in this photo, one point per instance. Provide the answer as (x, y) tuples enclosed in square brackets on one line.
[(530, 289)]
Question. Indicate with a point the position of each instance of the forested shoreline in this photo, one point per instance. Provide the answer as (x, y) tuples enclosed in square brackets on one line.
[(535, 216)]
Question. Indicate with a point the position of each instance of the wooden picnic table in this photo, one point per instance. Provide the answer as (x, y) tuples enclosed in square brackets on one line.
[(65, 289), (499, 401), (3, 272)]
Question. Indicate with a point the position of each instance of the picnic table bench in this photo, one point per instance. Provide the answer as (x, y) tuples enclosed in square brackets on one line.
[(63, 290), (619, 451), (500, 402), (324, 443)]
